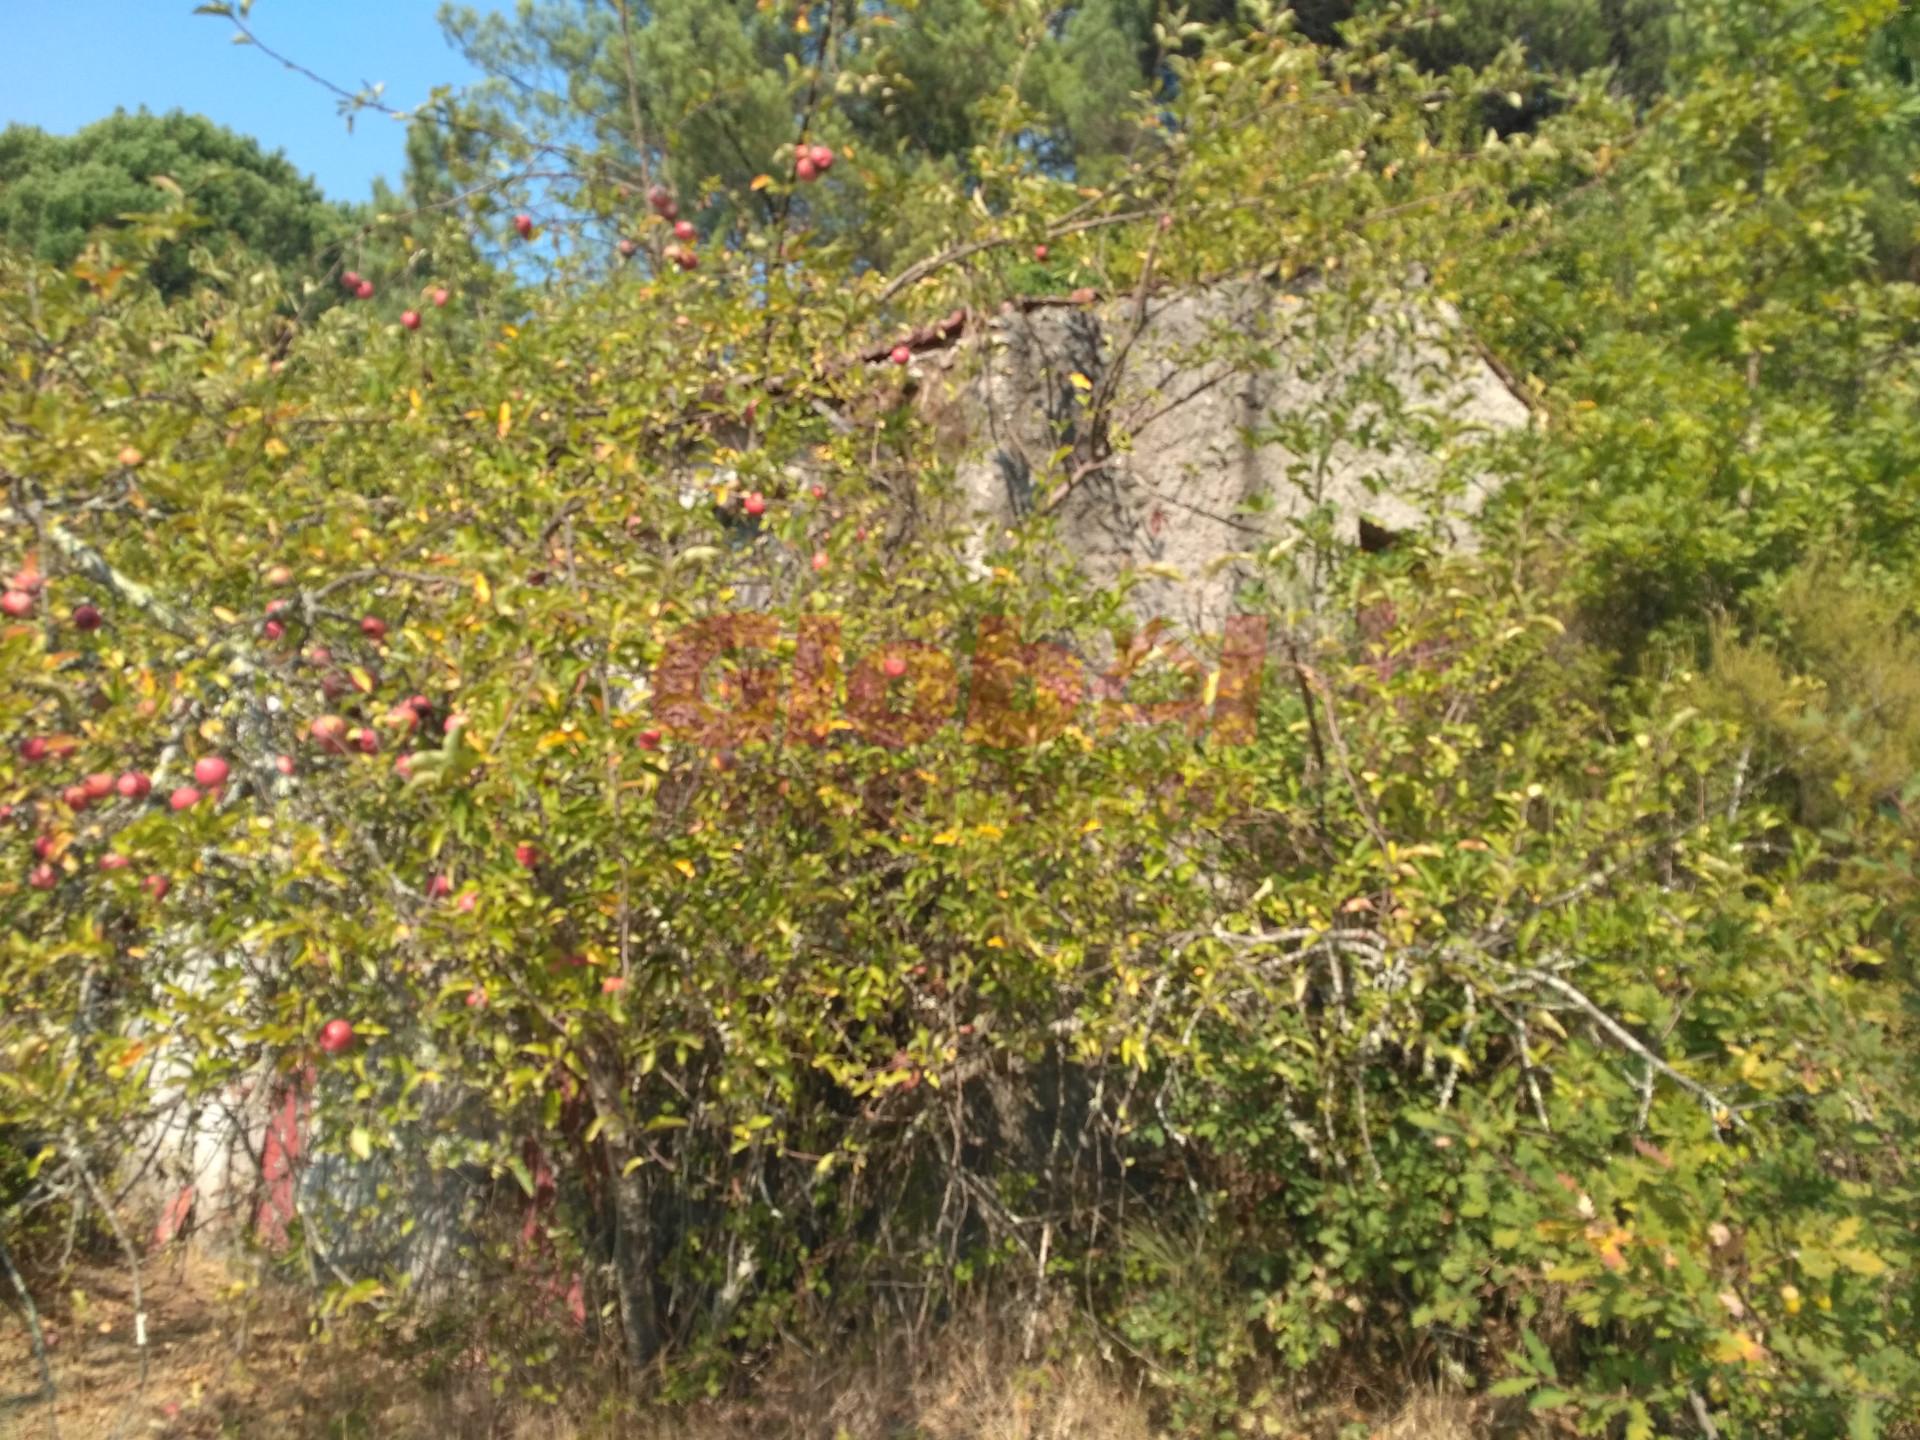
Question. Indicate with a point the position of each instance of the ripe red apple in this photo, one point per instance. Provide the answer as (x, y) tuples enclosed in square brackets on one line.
[(523, 226), (284, 764), (25, 578), (439, 887), (895, 666), (662, 201), (476, 999), (683, 230), (114, 862), (349, 279), (336, 1037), (86, 617), (210, 770), (1040, 252), (649, 739), (273, 630), (527, 854), (364, 290), (686, 259), (420, 705), (440, 297), (185, 798), (133, 785), (819, 492), (319, 655), (366, 741), (410, 319), (42, 877), (278, 575), (626, 248), (822, 158), (613, 984), (157, 886), (820, 560), (17, 603), (901, 355), (403, 766), (755, 503), (374, 628), (131, 458), (43, 846), (329, 732), (467, 902), (99, 786), (804, 170), (76, 798)]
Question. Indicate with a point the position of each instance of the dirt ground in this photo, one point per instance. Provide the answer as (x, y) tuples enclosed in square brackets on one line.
[(224, 1362)]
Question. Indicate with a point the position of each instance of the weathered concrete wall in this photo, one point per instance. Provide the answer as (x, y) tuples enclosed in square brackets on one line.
[(1236, 411)]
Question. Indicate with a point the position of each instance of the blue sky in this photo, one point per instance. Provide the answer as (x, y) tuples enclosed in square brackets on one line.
[(64, 63)]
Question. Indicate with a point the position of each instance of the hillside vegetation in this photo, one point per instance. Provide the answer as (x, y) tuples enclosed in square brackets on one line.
[(534, 692)]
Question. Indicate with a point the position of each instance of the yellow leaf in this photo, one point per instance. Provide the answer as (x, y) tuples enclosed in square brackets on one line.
[(413, 399), (991, 832), (482, 591), (276, 447), (505, 422), (947, 837), (685, 867), (1089, 827), (1079, 381), (759, 182)]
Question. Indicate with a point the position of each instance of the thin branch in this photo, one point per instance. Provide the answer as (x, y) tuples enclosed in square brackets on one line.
[(35, 1337)]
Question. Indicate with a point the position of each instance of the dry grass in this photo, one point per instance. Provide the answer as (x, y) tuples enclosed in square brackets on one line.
[(223, 1366)]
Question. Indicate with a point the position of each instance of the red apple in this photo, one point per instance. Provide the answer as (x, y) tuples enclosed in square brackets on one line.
[(662, 201), (131, 458), (613, 984), (17, 603), (820, 560), (133, 785), (374, 628), (273, 630), (686, 259), (476, 999), (33, 749), (822, 158), (364, 290), (439, 887), (626, 248), (410, 319), (185, 798), (683, 230), (114, 862), (336, 1037), (157, 886), (43, 846), (366, 741), (284, 764), (76, 798), (895, 666), (1039, 252), (350, 280), (467, 902), (804, 170), (329, 732), (403, 766), (319, 655), (210, 770), (900, 355), (42, 877), (819, 492), (86, 617), (278, 575), (649, 739), (523, 226), (439, 297), (755, 503), (527, 854), (99, 786)]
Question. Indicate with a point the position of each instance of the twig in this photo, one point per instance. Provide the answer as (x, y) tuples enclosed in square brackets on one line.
[(35, 1337)]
